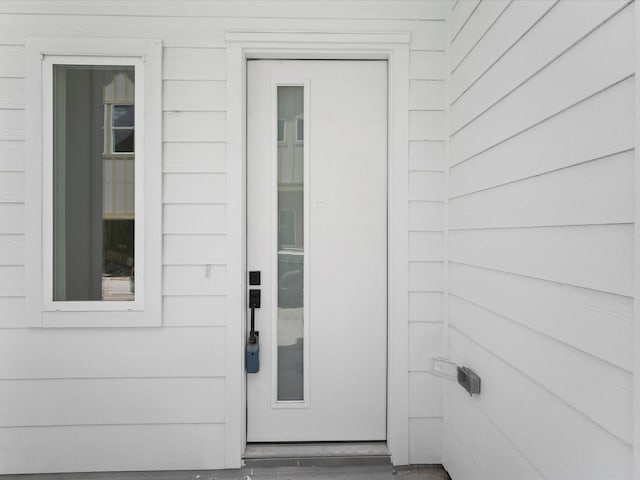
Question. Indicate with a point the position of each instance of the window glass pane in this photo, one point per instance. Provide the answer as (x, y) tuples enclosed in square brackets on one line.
[(281, 130), (123, 115), (93, 191), (290, 251), (299, 129), (123, 140)]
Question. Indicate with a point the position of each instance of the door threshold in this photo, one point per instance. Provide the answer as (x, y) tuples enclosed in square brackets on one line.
[(317, 454)]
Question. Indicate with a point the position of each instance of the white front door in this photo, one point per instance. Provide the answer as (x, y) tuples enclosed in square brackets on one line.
[(317, 233)]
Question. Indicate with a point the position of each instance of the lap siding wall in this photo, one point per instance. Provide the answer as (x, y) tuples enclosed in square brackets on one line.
[(153, 398), (540, 270)]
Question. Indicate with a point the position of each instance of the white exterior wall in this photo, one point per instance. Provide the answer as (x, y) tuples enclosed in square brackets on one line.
[(540, 271), (154, 398)]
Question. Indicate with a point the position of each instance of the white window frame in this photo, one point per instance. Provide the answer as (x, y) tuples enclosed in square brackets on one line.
[(146, 57)]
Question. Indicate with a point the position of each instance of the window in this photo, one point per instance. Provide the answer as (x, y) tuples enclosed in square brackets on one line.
[(94, 144), (120, 133)]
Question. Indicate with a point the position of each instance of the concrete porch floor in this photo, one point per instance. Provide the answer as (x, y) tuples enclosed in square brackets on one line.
[(350, 472)]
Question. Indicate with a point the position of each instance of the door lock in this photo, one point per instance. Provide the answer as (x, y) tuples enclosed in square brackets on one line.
[(254, 299)]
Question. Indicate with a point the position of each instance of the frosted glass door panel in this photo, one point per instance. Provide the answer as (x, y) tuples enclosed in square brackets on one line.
[(290, 246)]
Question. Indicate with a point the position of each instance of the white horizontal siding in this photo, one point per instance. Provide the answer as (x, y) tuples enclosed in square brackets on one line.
[(12, 186), (426, 252), (425, 444), (11, 281), (13, 312), (194, 311), (478, 24), (497, 458), (460, 16), (426, 65), (11, 249), (425, 390), (206, 32), (457, 459), (425, 276), (598, 390), (194, 64), (557, 32), (596, 192), (11, 155), (11, 93), (204, 157), (426, 95), (194, 249), (426, 216), (12, 61), (194, 280), (426, 307), (90, 448), (426, 186), (426, 125), (556, 438), (425, 395), (540, 245), (426, 155), (190, 347), (194, 218), (206, 188), (112, 353), (111, 401), (597, 323), (424, 246), (11, 218), (514, 23), (348, 9), (600, 126), (597, 257), (194, 126), (570, 79), (12, 124), (194, 95), (425, 342)]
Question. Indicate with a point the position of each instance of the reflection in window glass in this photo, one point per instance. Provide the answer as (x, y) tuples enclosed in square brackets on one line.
[(122, 128), (299, 129), (290, 250), (282, 128), (94, 183)]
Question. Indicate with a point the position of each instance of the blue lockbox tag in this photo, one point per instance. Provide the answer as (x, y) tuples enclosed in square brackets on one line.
[(252, 357)]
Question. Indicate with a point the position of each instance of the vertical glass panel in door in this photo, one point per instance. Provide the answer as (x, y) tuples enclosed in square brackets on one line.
[(290, 245), (94, 183)]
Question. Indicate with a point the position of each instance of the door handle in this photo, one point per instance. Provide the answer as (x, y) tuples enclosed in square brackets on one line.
[(252, 354), (254, 302)]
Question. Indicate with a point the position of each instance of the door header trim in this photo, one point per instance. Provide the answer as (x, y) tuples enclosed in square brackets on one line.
[(262, 38)]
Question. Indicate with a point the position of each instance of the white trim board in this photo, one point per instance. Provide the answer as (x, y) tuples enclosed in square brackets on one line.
[(394, 47), (636, 269)]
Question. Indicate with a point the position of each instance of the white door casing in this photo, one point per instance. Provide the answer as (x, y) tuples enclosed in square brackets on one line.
[(345, 248), (394, 47)]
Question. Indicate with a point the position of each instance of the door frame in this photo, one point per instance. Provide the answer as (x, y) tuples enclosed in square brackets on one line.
[(394, 48)]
